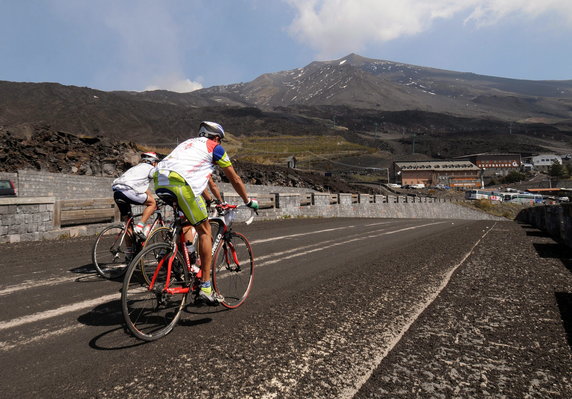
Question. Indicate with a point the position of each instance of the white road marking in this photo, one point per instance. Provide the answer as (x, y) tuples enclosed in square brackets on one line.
[(38, 282), (314, 232), (383, 340), (20, 321), (352, 391), (280, 256), (20, 342), (276, 257)]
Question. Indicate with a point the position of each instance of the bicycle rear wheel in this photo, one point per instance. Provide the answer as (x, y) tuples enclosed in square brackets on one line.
[(109, 252), (152, 313), (159, 234), (233, 269)]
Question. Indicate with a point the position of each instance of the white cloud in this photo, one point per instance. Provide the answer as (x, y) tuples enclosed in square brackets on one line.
[(142, 39), (488, 12), (176, 85), (336, 27)]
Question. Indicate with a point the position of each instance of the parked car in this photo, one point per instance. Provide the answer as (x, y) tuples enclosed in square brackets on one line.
[(7, 188), (442, 187)]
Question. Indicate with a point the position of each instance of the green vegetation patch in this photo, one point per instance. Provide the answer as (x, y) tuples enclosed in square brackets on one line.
[(276, 148)]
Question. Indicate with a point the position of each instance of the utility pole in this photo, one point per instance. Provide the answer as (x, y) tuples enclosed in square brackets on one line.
[(413, 151)]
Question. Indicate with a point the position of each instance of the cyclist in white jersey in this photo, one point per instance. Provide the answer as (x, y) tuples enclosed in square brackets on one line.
[(185, 173), (132, 187)]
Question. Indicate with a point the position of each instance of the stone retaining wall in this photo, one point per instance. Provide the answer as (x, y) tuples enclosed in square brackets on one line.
[(33, 183), (555, 220), (29, 219)]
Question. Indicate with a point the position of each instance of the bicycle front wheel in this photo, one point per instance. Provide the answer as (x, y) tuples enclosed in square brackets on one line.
[(109, 252), (233, 269), (152, 311), (158, 235)]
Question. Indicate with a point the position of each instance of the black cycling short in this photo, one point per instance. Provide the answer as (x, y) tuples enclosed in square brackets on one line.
[(123, 203)]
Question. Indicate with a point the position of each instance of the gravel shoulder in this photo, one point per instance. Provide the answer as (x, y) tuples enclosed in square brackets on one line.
[(501, 328)]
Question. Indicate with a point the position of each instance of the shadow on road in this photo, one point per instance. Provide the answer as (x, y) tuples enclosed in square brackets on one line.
[(537, 233), (87, 274), (564, 301), (113, 340), (88, 268), (109, 314), (106, 314), (554, 250)]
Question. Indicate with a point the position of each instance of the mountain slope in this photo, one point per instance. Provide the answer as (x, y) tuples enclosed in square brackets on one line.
[(392, 107), (388, 86)]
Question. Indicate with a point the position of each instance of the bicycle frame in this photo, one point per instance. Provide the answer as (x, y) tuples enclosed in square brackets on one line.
[(131, 221), (134, 237), (179, 241)]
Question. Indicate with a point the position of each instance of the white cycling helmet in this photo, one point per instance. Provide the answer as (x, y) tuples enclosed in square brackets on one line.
[(211, 129), (149, 157)]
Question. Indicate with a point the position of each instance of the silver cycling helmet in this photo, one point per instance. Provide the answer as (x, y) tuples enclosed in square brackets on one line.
[(211, 129), (149, 157)]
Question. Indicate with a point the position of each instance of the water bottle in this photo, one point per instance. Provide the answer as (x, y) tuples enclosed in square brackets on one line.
[(190, 248), (192, 257)]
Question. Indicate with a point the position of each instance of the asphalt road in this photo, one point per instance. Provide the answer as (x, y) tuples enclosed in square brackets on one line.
[(341, 308)]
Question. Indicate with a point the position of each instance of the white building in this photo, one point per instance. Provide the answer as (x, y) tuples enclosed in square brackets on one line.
[(545, 161)]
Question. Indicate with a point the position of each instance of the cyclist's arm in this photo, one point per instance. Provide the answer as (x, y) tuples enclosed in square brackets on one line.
[(214, 189), (207, 197), (236, 182)]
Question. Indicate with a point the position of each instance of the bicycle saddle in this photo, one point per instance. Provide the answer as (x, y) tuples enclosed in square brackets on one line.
[(167, 196)]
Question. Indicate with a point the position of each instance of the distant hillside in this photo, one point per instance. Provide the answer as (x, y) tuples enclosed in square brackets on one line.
[(398, 110), (360, 82)]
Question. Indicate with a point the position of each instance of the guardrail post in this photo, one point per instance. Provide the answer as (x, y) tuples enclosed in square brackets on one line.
[(287, 200), (320, 199), (363, 198), (345, 199)]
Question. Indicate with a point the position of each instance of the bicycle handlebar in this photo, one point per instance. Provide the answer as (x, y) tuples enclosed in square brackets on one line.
[(222, 208)]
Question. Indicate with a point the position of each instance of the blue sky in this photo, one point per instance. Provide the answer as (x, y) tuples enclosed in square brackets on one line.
[(182, 45)]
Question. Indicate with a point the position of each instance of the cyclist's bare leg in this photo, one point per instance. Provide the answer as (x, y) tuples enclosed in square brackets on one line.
[(151, 206), (205, 245), (189, 233), (129, 234)]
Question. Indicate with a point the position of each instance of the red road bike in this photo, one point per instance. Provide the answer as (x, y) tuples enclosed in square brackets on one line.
[(111, 254), (160, 278)]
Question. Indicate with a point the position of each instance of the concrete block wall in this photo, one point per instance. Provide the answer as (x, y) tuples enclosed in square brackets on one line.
[(33, 183), (384, 207), (29, 219)]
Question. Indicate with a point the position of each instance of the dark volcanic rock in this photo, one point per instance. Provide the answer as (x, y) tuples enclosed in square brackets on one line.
[(55, 151)]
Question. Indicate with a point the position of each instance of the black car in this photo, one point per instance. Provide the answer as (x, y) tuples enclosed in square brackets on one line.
[(7, 188)]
